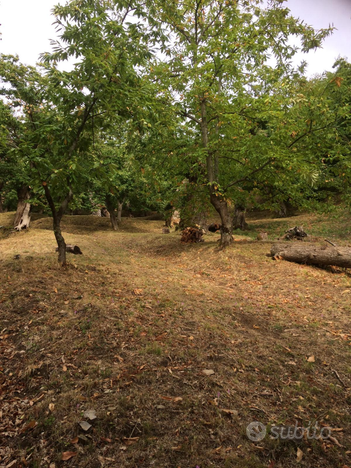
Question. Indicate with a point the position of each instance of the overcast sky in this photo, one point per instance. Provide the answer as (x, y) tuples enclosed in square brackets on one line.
[(26, 27)]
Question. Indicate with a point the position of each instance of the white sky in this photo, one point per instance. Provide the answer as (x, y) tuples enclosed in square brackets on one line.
[(26, 27)]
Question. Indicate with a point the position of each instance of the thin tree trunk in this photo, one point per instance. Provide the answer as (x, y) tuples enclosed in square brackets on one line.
[(111, 208), (57, 217), (22, 216), (119, 212), (1, 198), (60, 240)]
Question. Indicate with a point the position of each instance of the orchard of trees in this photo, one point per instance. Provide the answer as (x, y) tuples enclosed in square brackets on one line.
[(191, 104)]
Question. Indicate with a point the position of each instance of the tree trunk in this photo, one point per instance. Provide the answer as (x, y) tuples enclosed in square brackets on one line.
[(110, 204), (57, 217), (218, 201), (114, 220), (1, 198), (239, 217), (283, 210), (223, 209), (119, 212), (320, 255), (60, 240), (22, 216)]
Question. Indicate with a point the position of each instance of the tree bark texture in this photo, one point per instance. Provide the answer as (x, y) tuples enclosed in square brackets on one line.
[(111, 205), (119, 212), (223, 209), (56, 218), (114, 220), (239, 217), (321, 255), (22, 216), (217, 199)]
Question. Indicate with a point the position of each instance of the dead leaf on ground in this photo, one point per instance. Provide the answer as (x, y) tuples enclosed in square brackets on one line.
[(12, 464), (85, 425), (175, 399), (130, 440), (68, 455), (28, 426), (229, 411), (299, 455), (208, 371), (138, 292), (311, 359), (90, 414)]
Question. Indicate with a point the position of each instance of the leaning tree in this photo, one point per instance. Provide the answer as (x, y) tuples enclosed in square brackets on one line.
[(62, 111)]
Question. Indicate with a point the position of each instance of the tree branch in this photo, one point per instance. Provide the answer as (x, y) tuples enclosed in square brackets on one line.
[(248, 176), (190, 116)]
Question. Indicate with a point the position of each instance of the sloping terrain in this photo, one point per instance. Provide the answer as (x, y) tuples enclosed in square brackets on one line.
[(173, 348)]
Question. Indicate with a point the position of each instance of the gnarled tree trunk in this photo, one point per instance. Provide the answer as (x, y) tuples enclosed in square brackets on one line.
[(22, 216), (223, 209)]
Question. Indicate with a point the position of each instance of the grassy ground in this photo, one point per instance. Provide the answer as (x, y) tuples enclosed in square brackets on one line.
[(175, 348)]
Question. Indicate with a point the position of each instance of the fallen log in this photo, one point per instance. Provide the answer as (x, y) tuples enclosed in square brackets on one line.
[(321, 255)]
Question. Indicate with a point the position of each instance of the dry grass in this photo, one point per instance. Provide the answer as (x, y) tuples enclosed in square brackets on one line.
[(127, 330)]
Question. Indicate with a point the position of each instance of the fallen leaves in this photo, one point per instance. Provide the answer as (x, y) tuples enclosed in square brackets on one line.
[(68, 455), (138, 292), (174, 399), (90, 414), (85, 425), (130, 440), (29, 426), (208, 371), (299, 455)]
